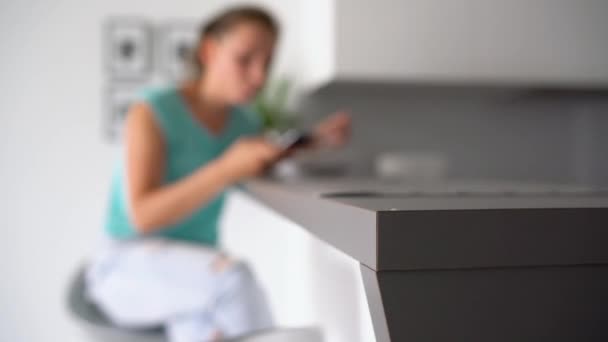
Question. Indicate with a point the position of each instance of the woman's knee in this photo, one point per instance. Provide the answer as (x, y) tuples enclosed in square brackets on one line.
[(221, 263)]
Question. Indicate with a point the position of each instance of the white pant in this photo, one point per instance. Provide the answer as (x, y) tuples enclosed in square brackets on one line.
[(159, 282)]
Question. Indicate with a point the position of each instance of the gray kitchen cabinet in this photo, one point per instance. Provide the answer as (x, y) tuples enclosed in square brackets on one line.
[(554, 43)]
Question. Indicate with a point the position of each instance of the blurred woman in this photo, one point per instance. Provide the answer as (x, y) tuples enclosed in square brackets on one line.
[(184, 146)]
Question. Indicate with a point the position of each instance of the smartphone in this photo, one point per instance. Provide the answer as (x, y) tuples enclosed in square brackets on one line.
[(291, 139)]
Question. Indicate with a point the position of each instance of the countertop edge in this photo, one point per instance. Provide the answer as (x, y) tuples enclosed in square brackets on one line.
[(350, 229)]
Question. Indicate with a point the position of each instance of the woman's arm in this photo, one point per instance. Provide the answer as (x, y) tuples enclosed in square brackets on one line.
[(333, 131), (154, 205)]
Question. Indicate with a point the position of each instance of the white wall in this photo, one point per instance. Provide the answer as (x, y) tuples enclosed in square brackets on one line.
[(54, 164), (318, 39)]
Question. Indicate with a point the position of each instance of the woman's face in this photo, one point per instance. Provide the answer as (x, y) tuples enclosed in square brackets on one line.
[(237, 62)]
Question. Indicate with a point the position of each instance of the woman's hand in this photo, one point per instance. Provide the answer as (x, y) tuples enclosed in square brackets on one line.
[(248, 157), (333, 131)]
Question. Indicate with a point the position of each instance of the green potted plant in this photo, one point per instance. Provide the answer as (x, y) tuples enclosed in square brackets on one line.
[(272, 106)]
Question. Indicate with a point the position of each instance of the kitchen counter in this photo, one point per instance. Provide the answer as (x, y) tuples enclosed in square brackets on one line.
[(439, 259), (396, 226)]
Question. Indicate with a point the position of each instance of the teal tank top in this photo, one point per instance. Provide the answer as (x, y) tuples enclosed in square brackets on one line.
[(189, 145)]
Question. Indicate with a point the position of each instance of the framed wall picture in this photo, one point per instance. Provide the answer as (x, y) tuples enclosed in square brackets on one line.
[(118, 99), (128, 48), (177, 42)]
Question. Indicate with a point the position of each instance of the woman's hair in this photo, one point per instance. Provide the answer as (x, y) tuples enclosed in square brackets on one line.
[(227, 20)]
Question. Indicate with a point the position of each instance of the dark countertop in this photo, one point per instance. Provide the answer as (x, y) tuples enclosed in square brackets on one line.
[(399, 226)]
